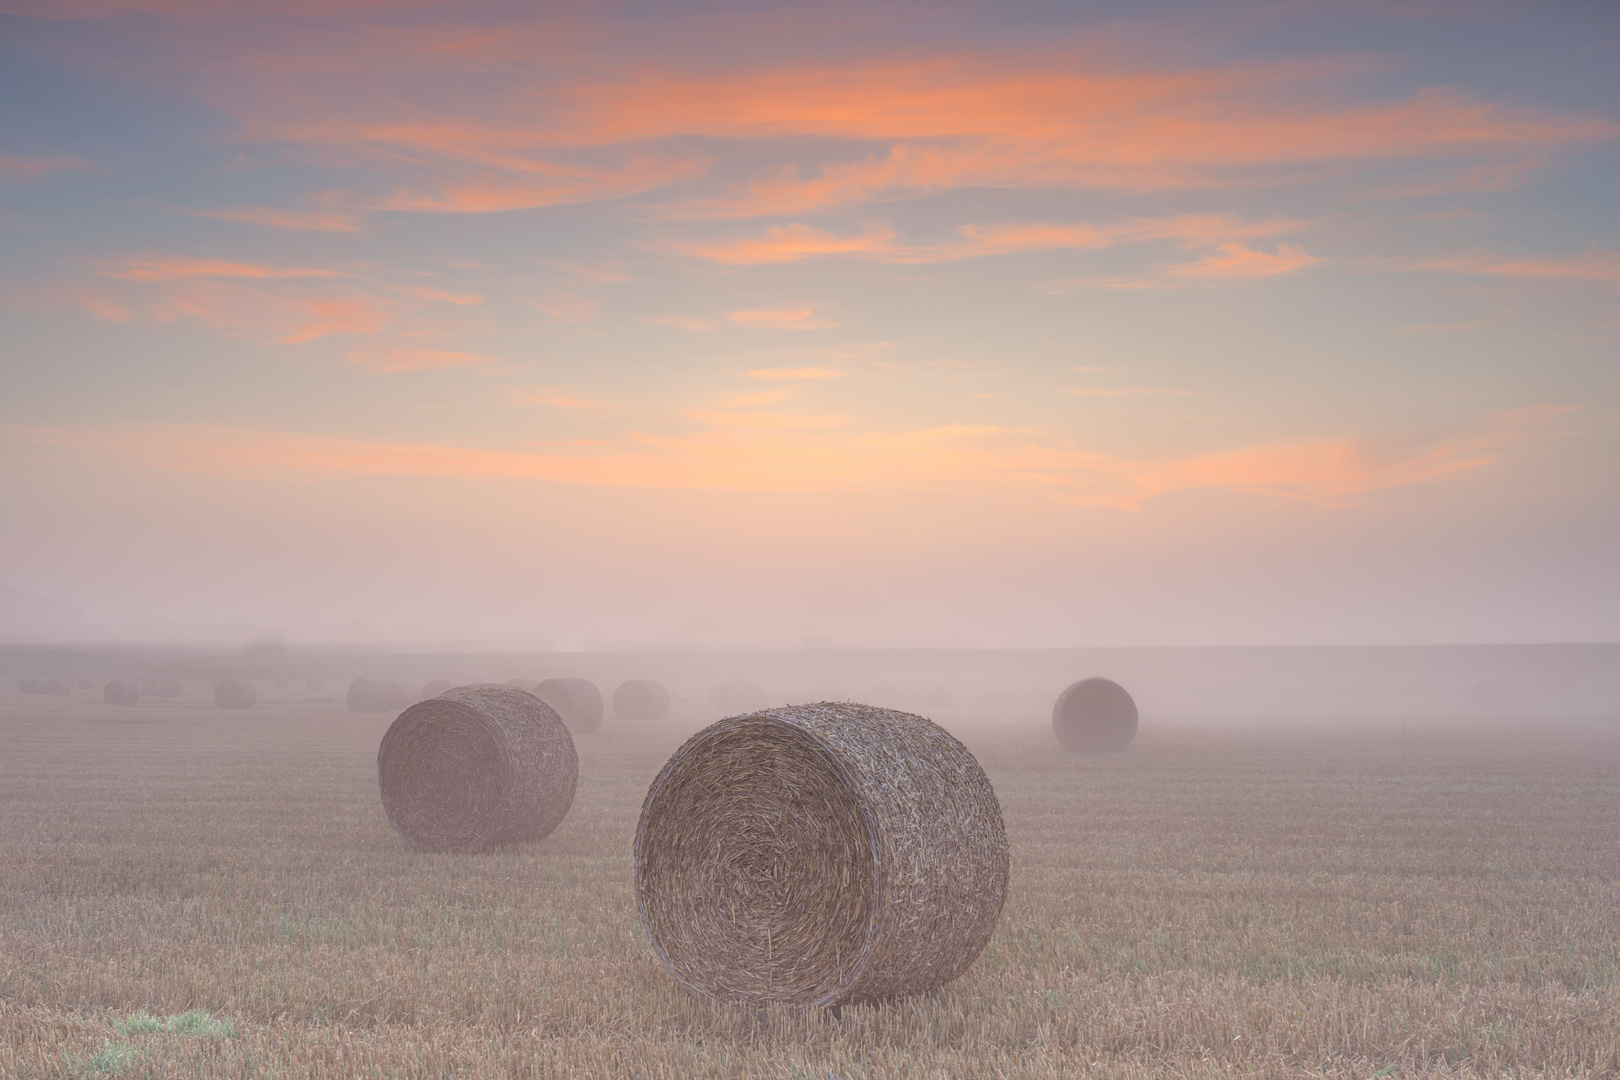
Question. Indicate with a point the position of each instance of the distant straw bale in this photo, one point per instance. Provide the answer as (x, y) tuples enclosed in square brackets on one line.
[(577, 701), (818, 855), (280, 682), (435, 687), (121, 692), (56, 686), (25, 685), (235, 694), (314, 684), (526, 685), (149, 687), (170, 688), (641, 699), (84, 684), (375, 696), (475, 767), (1095, 715)]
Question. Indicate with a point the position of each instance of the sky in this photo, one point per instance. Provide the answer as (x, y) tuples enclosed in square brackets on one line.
[(716, 324)]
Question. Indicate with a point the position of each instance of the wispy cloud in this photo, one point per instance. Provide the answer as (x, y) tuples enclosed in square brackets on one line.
[(27, 168), (1595, 265), (169, 268), (329, 219), (807, 317), (792, 452), (1238, 260)]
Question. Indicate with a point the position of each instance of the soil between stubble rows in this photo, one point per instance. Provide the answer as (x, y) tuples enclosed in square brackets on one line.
[(1437, 897)]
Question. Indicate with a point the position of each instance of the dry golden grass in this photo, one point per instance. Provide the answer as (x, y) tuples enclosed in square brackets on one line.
[(1297, 901)]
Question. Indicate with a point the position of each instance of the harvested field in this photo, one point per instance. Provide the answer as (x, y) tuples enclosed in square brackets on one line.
[(1439, 897)]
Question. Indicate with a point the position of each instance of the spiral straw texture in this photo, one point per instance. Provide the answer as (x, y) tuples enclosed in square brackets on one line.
[(475, 767), (820, 855)]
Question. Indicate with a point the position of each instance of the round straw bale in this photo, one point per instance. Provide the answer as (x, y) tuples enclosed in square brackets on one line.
[(235, 694), (818, 855), (477, 766), (121, 692), (375, 696), (314, 683), (577, 701), (1095, 714), (84, 684), (435, 687), (641, 699), (170, 688), (56, 686), (25, 685), (149, 687), (280, 682)]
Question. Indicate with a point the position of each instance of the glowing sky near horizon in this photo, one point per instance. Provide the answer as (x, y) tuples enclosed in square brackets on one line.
[(965, 324)]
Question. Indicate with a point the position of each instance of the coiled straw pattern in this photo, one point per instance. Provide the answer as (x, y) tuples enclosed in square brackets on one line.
[(819, 855)]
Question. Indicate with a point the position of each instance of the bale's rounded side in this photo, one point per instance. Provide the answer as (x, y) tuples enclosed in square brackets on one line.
[(375, 696), (641, 699), (56, 686), (1095, 715), (477, 766), (820, 854), (577, 701), (235, 694), (121, 692), (314, 683), (170, 688)]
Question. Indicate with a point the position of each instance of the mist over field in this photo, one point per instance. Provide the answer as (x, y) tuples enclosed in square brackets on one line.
[(812, 542)]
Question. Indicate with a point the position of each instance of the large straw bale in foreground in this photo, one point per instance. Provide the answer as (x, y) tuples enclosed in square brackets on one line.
[(477, 766), (577, 701), (641, 699), (1095, 715), (820, 854)]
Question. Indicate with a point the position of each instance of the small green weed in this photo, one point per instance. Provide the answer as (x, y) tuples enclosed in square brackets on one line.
[(194, 1022), (111, 1060)]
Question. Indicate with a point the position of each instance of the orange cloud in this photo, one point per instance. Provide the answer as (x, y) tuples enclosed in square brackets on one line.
[(1238, 260), (794, 373), (1595, 265), (28, 168), (798, 318), (389, 359), (329, 220), (168, 268), (794, 453), (788, 243)]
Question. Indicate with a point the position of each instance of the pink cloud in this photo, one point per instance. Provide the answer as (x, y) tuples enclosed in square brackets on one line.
[(1238, 260)]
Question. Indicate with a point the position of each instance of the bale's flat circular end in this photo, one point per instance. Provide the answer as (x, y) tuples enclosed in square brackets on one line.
[(475, 767), (577, 701), (1095, 715), (754, 866), (641, 699), (820, 854)]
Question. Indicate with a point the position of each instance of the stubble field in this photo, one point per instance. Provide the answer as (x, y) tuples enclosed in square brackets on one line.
[(1350, 899)]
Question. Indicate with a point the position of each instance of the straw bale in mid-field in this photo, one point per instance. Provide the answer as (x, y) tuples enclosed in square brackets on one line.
[(56, 686), (577, 701), (121, 692), (475, 767), (641, 699), (375, 696), (280, 682), (1095, 715), (818, 855), (235, 694), (170, 688), (435, 687), (314, 684)]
